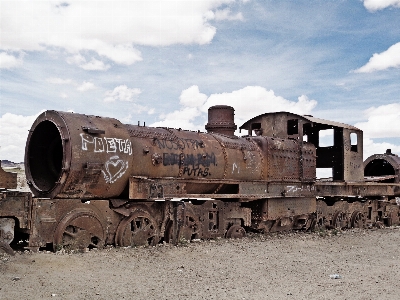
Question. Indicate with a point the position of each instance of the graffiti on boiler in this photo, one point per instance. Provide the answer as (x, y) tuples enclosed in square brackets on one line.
[(106, 144)]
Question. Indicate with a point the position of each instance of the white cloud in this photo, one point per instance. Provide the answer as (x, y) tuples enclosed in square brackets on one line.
[(8, 61), (371, 148), (55, 80), (86, 86), (255, 100), (226, 14), (108, 28), (95, 65), (382, 61), (83, 87), (121, 54), (374, 5), (247, 102), (383, 121), (13, 135), (192, 97), (182, 118), (121, 93), (76, 59)]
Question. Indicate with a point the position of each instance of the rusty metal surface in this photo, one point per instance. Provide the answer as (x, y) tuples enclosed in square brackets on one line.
[(8, 180), (366, 189), (168, 188), (15, 211), (17, 205)]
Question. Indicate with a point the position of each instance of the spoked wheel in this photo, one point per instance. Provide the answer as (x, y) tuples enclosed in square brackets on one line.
[(357, 219), (79, 229), (235, 232), (138, 229), (189, 231), (340, 220)]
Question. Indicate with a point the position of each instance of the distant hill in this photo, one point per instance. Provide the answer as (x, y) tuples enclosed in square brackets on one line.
[(9, 164)]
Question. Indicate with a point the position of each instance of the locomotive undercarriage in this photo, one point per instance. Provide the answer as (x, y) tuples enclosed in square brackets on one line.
[(334, 213), (76, 224)]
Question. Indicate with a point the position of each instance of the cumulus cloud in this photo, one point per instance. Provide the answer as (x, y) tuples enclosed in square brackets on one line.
[(383, 121), (182, 118), (255, 100), (121, 93), (192, 97), (8, 61), (76, 59), (110, 29), (83, 87), (86, 86), (93, 65), (13, 135), (374, 5), (226, 14), (371, 147), (247, 102), (56, 80), (382, 61)]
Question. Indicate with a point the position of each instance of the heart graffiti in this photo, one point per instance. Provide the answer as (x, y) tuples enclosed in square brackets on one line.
[(114, 169)]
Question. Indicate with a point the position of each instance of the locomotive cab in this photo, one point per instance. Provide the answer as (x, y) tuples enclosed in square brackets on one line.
[(343, 155)]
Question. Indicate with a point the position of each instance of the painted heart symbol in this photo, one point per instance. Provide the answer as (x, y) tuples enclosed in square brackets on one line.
[(115, 168)]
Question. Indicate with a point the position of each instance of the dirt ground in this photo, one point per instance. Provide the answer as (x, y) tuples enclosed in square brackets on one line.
[(278, 266)]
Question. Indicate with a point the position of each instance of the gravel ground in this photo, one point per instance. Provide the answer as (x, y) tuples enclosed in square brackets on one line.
[(278, 266)]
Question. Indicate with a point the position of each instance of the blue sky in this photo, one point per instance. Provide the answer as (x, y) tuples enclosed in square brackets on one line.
[(166, 62)]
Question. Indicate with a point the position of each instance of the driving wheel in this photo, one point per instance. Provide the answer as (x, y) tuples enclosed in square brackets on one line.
[(235, 232), (138, 229), (79, 229)]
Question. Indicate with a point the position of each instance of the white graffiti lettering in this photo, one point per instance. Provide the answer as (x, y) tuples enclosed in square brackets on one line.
[(293, 189), (111, 145), (235, 166), (128, 147), (98, 145), (121, 144), (85, 140), (105, 144)]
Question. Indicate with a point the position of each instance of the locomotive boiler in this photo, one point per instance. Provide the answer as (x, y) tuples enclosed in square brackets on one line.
[(97, 181), (70, 155)]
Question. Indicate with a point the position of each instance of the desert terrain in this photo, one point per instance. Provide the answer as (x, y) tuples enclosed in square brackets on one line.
[(353, 264)]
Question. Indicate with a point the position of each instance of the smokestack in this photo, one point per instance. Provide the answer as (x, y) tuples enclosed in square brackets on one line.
[(221, 119)]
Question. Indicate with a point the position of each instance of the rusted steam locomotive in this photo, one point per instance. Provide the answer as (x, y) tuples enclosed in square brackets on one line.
[(97, 181)]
